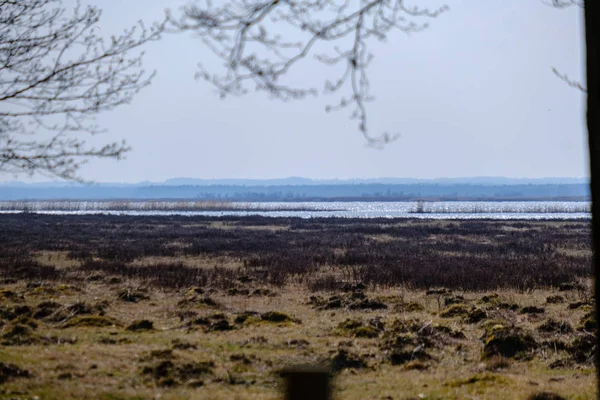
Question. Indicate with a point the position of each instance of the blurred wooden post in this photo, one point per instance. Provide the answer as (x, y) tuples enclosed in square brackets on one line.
[(306, 383), (592, 42)]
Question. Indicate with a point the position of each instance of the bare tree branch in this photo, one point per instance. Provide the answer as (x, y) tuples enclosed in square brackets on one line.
[(242, 34), (564, 77), (56, 75), (566, 3), (568, 81)]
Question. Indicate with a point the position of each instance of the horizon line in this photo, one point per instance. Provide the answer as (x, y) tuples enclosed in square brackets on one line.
[(291, 178)]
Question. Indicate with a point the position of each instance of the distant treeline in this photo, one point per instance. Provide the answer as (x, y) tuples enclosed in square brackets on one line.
[(349, 192)]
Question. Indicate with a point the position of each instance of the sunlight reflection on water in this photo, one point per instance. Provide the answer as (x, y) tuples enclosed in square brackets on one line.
[(507, 210)]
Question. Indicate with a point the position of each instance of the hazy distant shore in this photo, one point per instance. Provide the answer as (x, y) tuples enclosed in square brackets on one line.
[(312, 191)]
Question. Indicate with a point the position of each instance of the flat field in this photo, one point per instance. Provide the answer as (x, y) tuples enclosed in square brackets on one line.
[(123, 307)]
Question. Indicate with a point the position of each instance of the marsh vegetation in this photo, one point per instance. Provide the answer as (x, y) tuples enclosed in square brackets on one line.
[(122, 307)]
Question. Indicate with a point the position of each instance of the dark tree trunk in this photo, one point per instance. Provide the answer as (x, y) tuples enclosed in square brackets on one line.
[(592, 33)]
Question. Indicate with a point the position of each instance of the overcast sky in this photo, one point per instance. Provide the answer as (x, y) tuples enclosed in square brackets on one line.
[(474, 95)]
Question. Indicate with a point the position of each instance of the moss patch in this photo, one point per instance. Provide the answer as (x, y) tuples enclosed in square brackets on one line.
[(276, 317), (455, 310), (95, 321)]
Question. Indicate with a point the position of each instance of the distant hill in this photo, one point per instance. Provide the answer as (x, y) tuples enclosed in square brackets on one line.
[(392, 181), (303, 189)]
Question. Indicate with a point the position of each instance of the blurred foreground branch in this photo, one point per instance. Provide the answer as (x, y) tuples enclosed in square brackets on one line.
[(56, 74), (259, 42)]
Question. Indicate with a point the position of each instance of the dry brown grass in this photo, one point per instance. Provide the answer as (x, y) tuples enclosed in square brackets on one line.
[(108, 362)]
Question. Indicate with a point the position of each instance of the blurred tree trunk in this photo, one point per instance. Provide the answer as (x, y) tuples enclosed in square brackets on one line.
[(592, 33)]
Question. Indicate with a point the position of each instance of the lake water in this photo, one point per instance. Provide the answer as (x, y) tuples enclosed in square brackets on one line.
[(427, 210)]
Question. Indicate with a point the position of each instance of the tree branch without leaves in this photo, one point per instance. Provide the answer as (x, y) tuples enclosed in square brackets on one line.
[(56, 75), (566, 3), (569, 81), (242, 34), (564, 77)]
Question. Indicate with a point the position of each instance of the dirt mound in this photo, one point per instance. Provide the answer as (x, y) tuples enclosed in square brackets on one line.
[(17, 335), (262, 292), (493, 298), (21, 333), (588, 322), (163, 354), (545, 396), (82, 307), (64, 313), (355, 300), (238, 291), (95, 321), (26, 320), (168, 373), (563, 363), (455, 310), (141, 325), (401, 356), (509, 342), (183, 345), (409, 340), (508, 306), (243, 317), (45, 309), (9, 295), (533, 310), (206, 301), (276, 317), (557, 299), (212, 323), (475, 315), (343, 359), (113, 340), (554, 326), (453, 299), (47, 289), (565, 287), (438, 291), (356, 328), (331, 303), (11, 313), (359, 287), (409, 307), (132, 295), (242, 358), (220, 325), (578, 304), (10, 371), (583, 348), (368, 304)]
